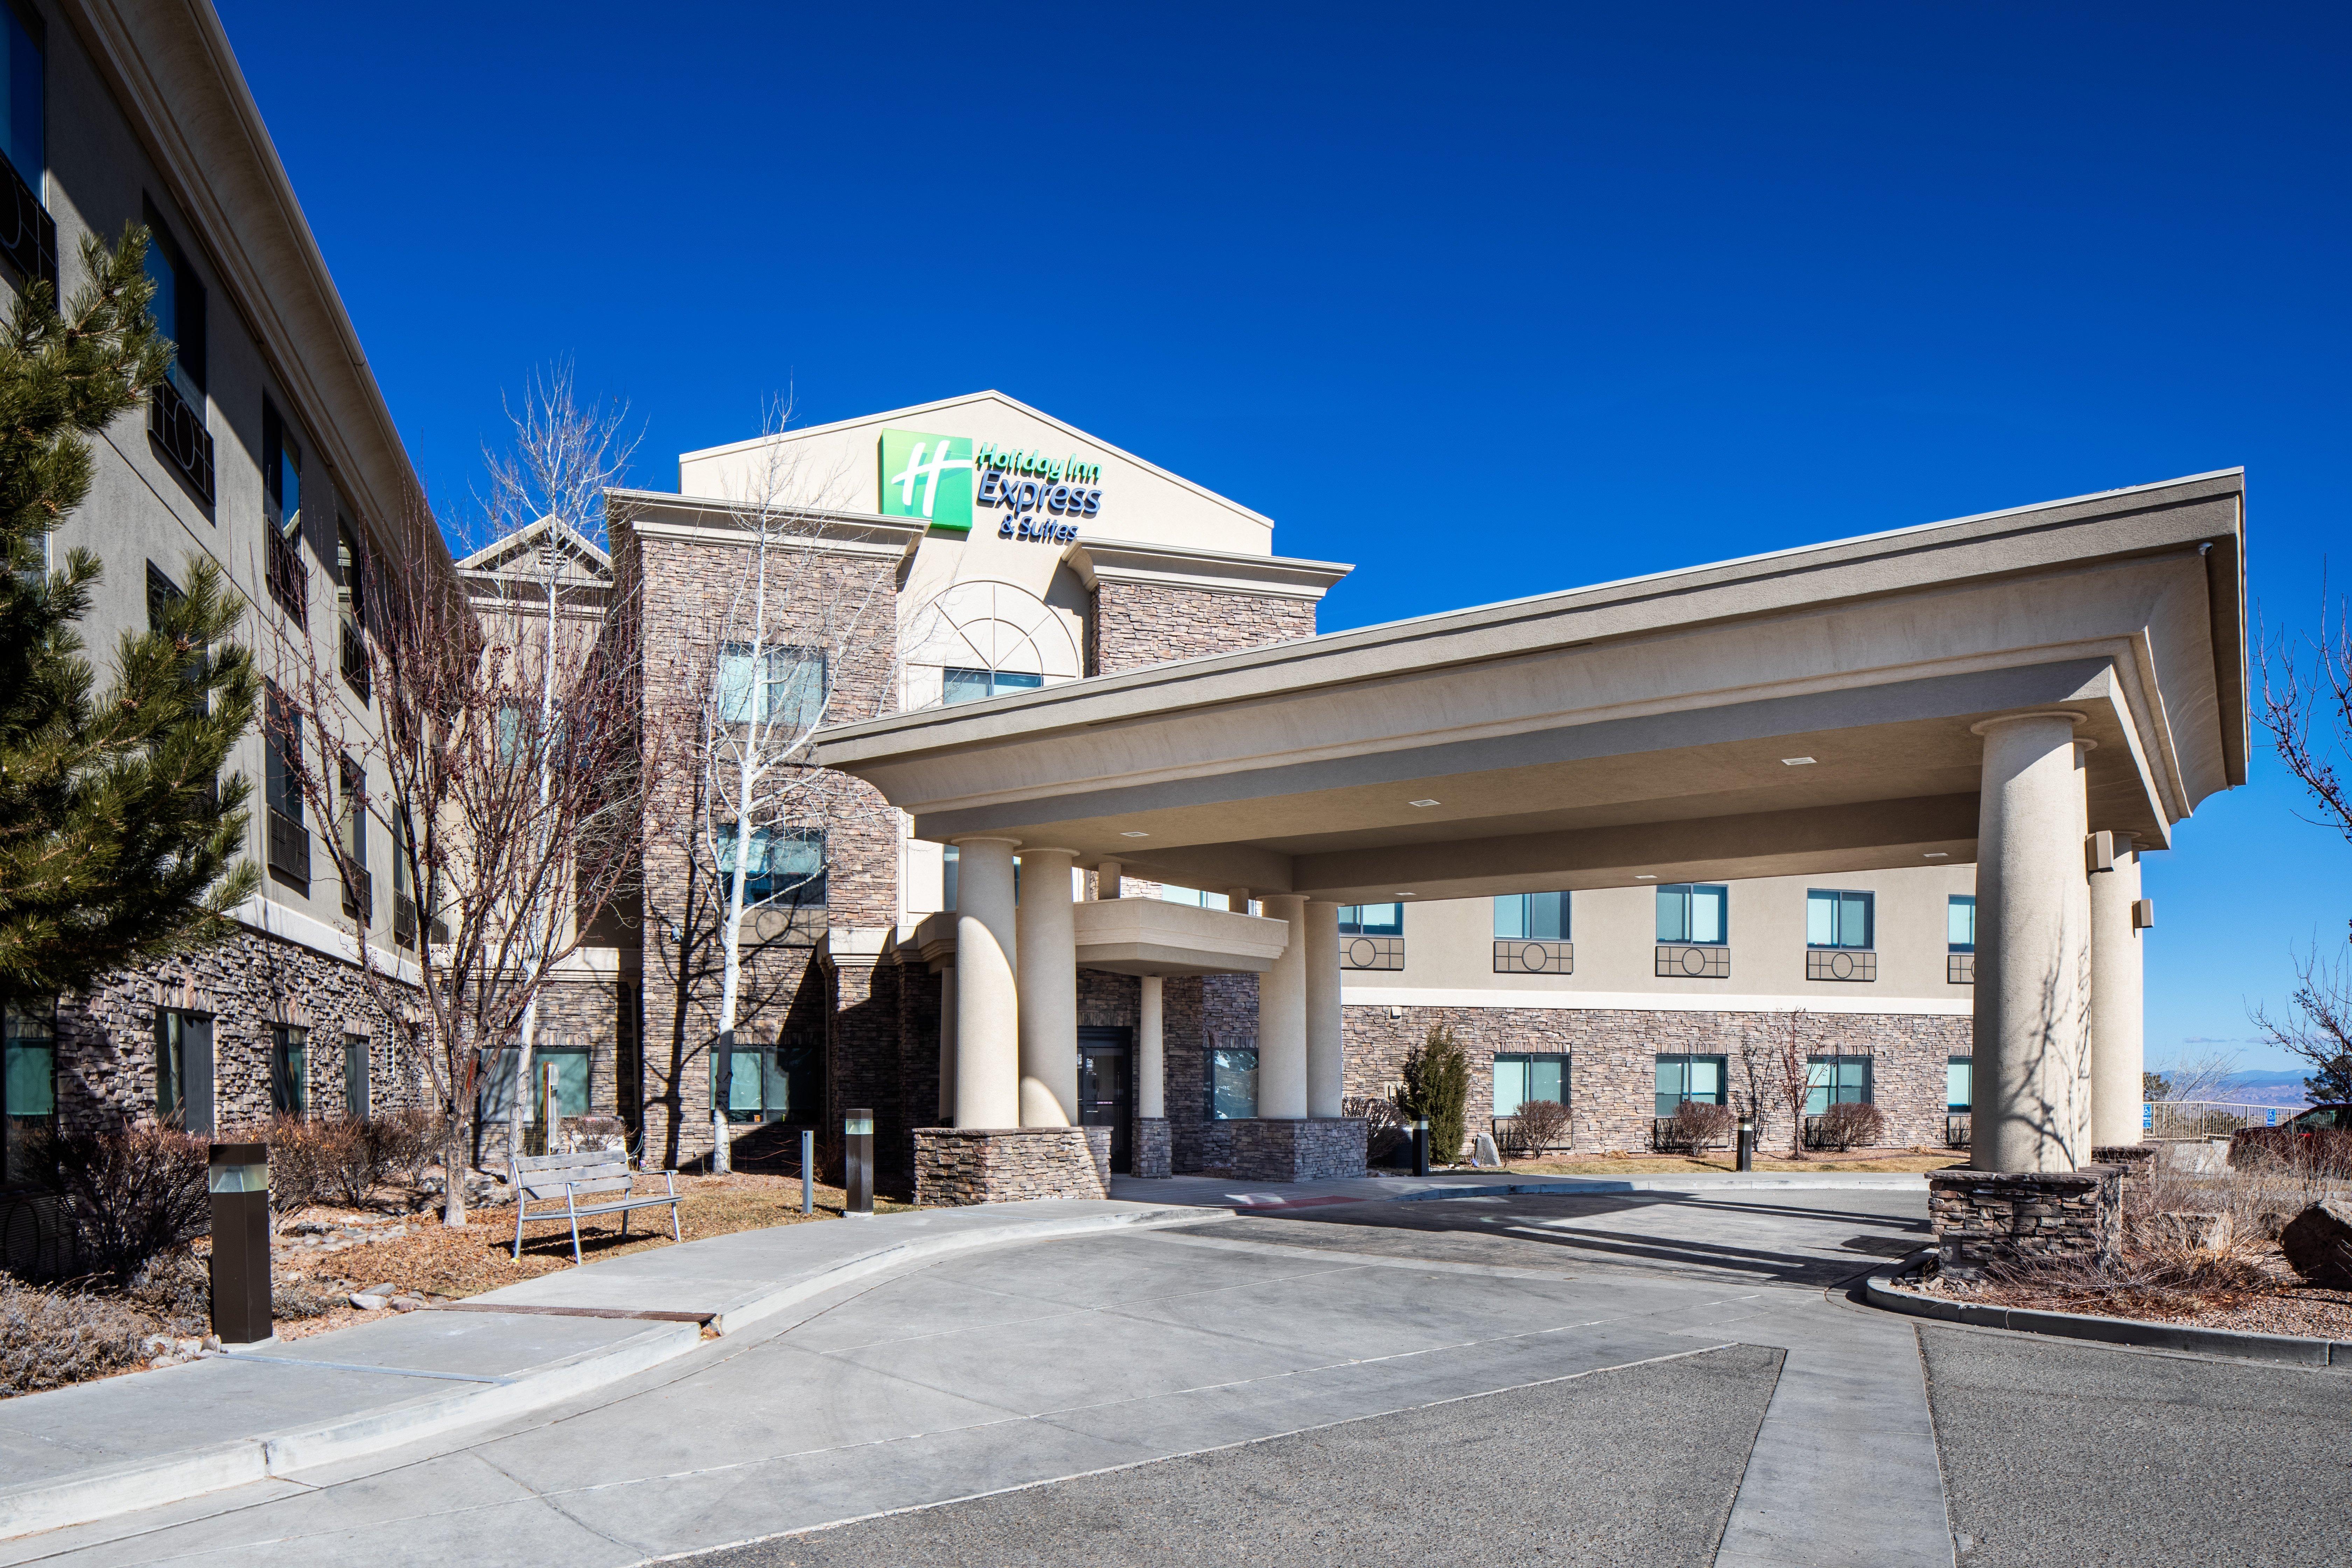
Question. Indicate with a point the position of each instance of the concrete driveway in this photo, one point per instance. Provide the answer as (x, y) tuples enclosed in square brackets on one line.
[(1639, 1378)]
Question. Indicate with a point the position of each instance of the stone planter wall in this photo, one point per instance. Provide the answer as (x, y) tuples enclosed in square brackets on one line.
[(956, 1165), (1987, 1217), (1317, 1149)]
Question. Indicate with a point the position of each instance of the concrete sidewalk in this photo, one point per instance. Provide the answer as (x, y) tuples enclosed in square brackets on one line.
[(1227, 1193), (74, 1455)]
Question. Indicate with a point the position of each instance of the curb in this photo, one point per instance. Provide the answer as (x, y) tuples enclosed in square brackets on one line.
[(1570, 1185), (151, 1483), (2290, 1349)]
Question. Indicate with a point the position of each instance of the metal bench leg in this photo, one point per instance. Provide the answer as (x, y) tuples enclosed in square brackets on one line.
[(518, 1201), (574, 1209), (675, 1234)]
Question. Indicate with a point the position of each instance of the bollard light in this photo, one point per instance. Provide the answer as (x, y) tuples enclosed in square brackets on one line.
[(808, 1170), (238, 1179), (1748, 1142), (1420, 1147), (857, 1156)]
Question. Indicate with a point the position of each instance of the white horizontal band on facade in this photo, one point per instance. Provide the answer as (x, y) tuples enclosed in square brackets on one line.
[(274, 918), (1650, 1001)]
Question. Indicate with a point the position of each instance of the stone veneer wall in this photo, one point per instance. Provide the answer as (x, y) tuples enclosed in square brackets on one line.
[(1612, 1060), (1988, 1217), (958, 1165), (1193, 1010), (106, 1035), (1151, 1147), (1321, 1148), (682, 587), (1138, 623)]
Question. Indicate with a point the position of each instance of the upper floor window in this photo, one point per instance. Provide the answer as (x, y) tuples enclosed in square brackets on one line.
[(281, 509), (177, 306), (782, 686), (972, 685), (785, 865), (1532, 917), (1169, 893), (282, 743), (1839, 918), (22, 122), (1371, 920), (1960, 922), (1698, 914)]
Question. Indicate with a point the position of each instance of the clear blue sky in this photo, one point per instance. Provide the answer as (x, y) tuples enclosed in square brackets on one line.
[(1487, 301)]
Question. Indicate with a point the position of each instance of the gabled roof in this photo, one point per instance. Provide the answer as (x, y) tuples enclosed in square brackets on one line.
[(1005, 400), (523, 553)]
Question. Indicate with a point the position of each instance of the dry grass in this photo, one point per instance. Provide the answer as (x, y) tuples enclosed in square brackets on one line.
[(49, 1338), (436, 1263), (2235, 1279)]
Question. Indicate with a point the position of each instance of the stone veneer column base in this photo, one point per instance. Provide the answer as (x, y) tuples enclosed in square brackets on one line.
[(957, 1166), (1313, 1149), (1154, 1152), (1989, 1217)]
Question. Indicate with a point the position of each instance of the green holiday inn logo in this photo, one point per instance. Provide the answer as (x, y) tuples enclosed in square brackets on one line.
[(928, 477)]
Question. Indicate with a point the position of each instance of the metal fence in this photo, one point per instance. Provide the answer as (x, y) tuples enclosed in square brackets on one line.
[(2207, 1118)]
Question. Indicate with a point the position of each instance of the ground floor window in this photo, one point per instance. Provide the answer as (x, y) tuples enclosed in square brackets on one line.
[(1960, 1086), (1836, 1080), (355, 1076), (1232, 1083), (570, 1065), (1681, 1078), (1521, 1077), (29, 1081), (289, 1070), (183, 1069)]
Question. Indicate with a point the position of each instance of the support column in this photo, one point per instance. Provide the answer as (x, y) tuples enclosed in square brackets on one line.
[(1106, 880), (1326, 1078), (1282, 1018), (988, 1009), (1152, 1148), (2033, 948), (1049, 990), (2117, 1046), (948, 1043)]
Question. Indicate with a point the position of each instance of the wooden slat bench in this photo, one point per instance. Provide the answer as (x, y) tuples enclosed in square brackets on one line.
[(574, 1176)]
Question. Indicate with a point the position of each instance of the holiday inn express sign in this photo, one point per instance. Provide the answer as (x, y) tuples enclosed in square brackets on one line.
[(933, 478)]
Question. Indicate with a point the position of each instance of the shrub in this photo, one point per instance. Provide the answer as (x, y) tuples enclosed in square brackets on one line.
[(131, 1196), (1540, 1124), (51, 1338), (1698, 1124), (1437, 1087), (1844, 1125), (1384, 1131)]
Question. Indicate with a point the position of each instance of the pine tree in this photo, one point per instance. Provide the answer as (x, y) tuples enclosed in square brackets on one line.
[(119, 839)]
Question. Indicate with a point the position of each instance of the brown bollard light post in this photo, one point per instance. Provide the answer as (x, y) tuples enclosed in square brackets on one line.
[(1420, 1146), (858, 1156), (1748, 1142), (239, 1178)]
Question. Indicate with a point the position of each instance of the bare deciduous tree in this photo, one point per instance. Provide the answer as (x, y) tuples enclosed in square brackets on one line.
[(496, 744), (2307, 708), (2318, 1025), (807, 636), (1788, 1077)]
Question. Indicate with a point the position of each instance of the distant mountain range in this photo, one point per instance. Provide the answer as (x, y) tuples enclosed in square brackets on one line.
[(2267, 1087)]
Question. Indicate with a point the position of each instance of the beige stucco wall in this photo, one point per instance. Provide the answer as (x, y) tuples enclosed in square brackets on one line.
[(1449, 952)]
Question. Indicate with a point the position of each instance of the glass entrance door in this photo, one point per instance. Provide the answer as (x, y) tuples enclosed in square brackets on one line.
[(1107, 1091)]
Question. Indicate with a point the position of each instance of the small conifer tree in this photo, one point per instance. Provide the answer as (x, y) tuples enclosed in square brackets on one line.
[(120, 841), (1437, 1088)]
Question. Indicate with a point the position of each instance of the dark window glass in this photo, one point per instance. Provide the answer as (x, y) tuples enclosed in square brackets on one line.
[(972, 685), (289, 1070), (1688, 1077), (787, 866), (1839, 918), (1695, 913), (1532, 917), (282, 746), (281, 476), (1232, 1083), (1836, 1080), (1519, 1079), (22, 120), (355, 1076), (177, 306)]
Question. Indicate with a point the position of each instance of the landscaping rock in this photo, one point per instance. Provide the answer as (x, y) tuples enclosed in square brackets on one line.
[(405, 1304), (368, 1302), (2319, 1242)]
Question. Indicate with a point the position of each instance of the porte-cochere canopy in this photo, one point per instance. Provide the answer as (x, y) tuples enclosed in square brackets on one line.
[(1651, 728)]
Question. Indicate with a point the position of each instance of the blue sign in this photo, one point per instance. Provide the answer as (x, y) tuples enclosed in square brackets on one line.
[(2146, 1116), (2273, 1119)]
